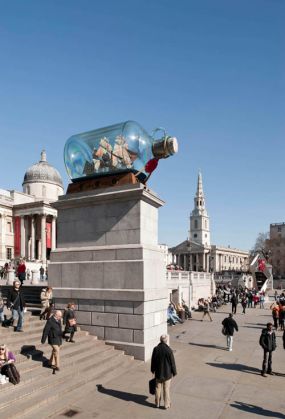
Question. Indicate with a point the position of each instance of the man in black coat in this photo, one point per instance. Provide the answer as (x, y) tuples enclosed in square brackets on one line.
[(53, 331), (268, 342), (234, 303), (16, 303), (164, 368), (230, 326)]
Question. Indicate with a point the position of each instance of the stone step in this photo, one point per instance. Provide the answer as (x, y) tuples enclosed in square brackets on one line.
[(48, 389), (59, 406), (26, 338), (33, 371)]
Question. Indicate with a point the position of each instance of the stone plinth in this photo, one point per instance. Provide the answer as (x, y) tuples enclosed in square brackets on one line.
[(108, 262)]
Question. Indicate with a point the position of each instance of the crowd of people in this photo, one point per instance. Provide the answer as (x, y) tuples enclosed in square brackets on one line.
[(55, 330), (21, 271)]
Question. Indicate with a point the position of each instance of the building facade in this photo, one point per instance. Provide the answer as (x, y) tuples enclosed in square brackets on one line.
[(197, 253), (27, 219), (276, 245)]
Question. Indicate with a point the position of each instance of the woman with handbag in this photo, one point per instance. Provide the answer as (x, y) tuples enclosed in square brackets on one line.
[(69, 320), (7, 360)]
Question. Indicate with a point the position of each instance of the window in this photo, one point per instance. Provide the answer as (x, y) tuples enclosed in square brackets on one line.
[(205, 235), (9, 253), (196, 224), (205, 223), (44, 190), (28, 190), (225, 258), (9, 228), (195, 236), (279, 229)]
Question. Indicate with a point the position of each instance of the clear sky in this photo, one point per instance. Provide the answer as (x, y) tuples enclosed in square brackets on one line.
[(211, 72)]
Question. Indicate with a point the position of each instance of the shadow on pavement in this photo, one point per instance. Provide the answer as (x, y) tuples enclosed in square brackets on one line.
[(236, 367), (204, 345), (251, 408), (129, 397)]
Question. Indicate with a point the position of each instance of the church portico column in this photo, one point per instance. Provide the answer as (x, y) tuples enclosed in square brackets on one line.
[(185, 262), (53, 233), (197, 262), (23, 237), (43, 238), (204, 262), (3, 237), (32, 251)]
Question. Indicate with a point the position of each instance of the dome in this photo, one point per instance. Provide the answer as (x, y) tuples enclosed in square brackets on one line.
[(43, 172)]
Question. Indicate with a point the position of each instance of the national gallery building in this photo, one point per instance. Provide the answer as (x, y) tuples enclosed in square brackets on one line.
[(27, 219), (197, 253)]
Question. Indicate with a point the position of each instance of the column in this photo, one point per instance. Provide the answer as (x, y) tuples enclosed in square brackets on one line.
[(32, 251), (3, 255), (23, 237), (27, 243), (197, 262), (184, 263), (191, 263), (53, 233), (43, 238), (204, 262)]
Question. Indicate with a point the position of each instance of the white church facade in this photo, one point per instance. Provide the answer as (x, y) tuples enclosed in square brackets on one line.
[(197, 254), (27, 219)]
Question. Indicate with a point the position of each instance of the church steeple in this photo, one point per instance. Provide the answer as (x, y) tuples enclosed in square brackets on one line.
[(199, 220)]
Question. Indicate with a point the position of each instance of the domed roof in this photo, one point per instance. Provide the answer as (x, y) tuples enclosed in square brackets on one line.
[(43, 172)]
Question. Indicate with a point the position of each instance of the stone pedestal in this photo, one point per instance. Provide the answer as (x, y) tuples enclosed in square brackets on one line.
[(35, 277), (108, 262), (10, 276)]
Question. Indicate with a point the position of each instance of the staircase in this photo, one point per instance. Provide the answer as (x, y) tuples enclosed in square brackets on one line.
[(42, 394)]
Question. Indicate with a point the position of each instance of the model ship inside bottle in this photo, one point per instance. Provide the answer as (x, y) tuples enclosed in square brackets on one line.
[(124, 147)]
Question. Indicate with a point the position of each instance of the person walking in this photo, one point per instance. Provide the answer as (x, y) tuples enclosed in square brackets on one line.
[(234, 303), (275, 314), (230, 326), (206, 311), (16, 303), (69, 320), (267, 341), (46, 301), (261, 300), (53, 332), (244, 303), (164, 368), (21, 271)]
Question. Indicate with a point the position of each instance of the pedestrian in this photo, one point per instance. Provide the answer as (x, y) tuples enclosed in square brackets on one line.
[(42, 271), (249, 299), (69, 320), (53, 332), (234, 303), (206, 311), (275, 314), (21, 271), (46, 301), (230, 326), (164, 368), (268, 342), (244, 303), (16, 303), (261, 300)]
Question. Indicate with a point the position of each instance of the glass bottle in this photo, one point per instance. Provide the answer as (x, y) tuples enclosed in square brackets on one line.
[(123, 147)]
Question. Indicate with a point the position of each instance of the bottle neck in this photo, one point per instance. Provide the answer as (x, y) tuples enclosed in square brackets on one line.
[(165, 147)]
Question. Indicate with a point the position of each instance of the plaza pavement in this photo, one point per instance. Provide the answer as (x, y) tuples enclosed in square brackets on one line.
[(211, 382)]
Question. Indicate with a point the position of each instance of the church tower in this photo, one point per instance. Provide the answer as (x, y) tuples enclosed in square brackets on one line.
[(199, 220)]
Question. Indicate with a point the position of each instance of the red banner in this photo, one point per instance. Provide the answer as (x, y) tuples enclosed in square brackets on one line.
[(17, 236), (48, 237)]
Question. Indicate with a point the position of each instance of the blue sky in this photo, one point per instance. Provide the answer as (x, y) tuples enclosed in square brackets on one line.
[(210, 72)]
